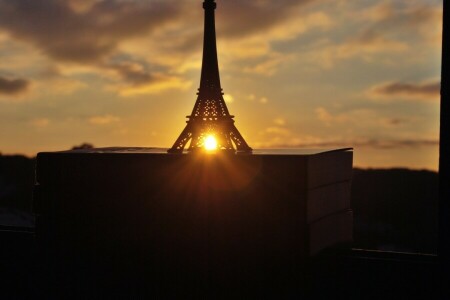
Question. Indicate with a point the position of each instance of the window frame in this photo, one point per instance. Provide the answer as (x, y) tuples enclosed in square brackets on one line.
[(444, 147)]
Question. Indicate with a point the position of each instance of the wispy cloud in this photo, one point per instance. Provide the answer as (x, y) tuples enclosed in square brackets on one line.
[(280, 121), (158, 83), (365, 45), (276, 133), (325, 116), (254, 51), (406, 90), (350, 118), (103, 119), (385, 29), (40, 122), (359, 143), (266, 65), (260, 99), (415, 17)]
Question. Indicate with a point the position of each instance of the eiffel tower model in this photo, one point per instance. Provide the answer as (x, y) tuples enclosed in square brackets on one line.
[(210, 122)]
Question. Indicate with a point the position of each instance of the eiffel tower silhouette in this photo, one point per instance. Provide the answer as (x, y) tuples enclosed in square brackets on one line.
[(210, 116)]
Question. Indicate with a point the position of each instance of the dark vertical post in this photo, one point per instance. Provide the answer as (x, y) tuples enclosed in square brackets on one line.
[(444, 156)]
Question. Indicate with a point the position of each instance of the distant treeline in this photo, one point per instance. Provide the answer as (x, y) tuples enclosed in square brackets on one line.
[(394, 209)]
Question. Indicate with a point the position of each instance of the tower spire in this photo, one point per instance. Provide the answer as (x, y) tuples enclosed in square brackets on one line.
[(210, 117), (210, 78)]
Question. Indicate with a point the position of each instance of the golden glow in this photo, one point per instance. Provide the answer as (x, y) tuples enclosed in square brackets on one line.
[(210, 143)]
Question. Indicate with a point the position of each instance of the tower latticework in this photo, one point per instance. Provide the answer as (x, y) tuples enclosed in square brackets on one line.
[(210, 116)]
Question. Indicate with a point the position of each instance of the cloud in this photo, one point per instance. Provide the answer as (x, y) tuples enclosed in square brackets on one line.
[(255, 51), (387, 15), (103, 120), (268, 65), (358, 116), (396, 121), (177, 46), (382, 33), (406, 90), (372, 40), (54, 81), (65, 86), (88, 34), (139, 44), (242, 18), (278, 130), (365, 44), (405, 19), (135, 78), (13, 87), (65, 33), (275, 134), (133, 73), (40, 122), (253, 98), (155, 84), (263, 100), (279, 121), (87, 31), (326, 117), (357, 143), (365, 119), (81, 6)]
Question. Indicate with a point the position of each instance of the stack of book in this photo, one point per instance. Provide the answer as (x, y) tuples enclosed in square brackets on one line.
[(197, 219)]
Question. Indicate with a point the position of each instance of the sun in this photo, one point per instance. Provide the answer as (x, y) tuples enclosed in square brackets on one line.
[(210, 143)]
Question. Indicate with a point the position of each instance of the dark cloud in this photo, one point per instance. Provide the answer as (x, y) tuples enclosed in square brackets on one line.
[(65, 34), (427, 90), (396, 121), (13, 86), (90, 31), (239, 18), (367, 37), (140, 78), (133, 73), (234, 20)]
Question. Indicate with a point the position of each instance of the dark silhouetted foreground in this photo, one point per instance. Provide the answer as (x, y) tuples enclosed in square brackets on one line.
[(394, 209)]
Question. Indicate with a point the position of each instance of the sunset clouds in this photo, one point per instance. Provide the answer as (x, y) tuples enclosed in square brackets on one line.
[(309, 73), (65, 33)]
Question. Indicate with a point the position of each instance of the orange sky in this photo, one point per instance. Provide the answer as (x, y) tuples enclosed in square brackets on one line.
[(296, 73)]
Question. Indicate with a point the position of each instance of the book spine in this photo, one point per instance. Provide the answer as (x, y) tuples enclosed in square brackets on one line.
[(327, 200)]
